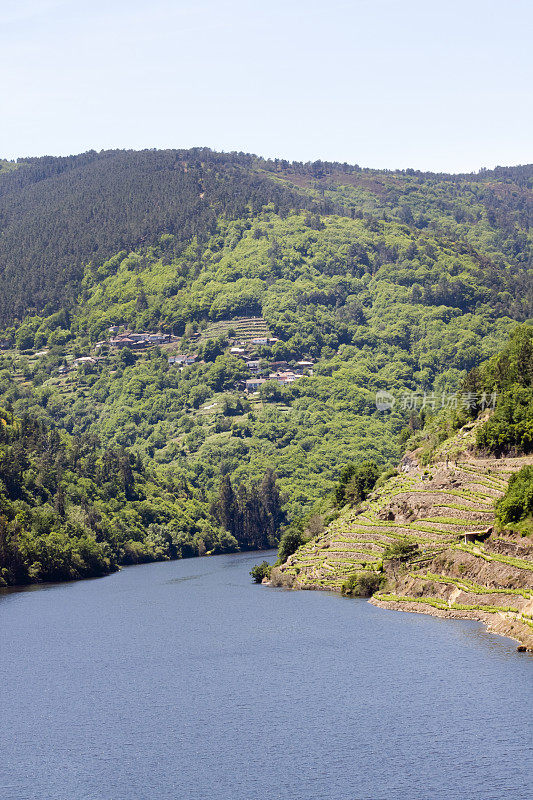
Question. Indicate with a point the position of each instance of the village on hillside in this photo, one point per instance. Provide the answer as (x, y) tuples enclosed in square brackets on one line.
[(247, 339), (243, 345)]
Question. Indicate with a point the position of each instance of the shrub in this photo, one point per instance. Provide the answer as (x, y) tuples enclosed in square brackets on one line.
[(517, 502), (384, 477), (289, 544), (402, 550), (356, 482), (362, 584), (261, 571)]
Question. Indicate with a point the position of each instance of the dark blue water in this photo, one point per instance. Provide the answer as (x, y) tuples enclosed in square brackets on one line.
[(185, 680)]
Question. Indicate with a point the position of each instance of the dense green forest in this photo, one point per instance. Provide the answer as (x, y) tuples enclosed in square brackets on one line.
[(498, 393), (70, 508), (59, 214), (402, 282)]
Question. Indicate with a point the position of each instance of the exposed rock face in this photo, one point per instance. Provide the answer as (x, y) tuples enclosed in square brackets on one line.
[(483, 575)]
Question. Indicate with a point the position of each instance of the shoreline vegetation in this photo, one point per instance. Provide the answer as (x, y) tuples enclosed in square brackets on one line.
[(71, 509)]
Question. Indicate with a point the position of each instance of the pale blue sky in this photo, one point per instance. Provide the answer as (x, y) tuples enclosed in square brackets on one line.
[(383, 83)]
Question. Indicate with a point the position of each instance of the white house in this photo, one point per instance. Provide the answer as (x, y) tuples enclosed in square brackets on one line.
[(253, 384)]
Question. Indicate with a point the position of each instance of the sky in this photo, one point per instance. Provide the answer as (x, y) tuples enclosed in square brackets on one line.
[(436, 85)]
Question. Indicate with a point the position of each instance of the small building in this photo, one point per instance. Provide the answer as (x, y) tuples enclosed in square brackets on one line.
[(262, 340), (182, 360), (237, 351), (120, 341), (283, 377), (157, 338), (140, 338), (253, 365), (471, 536), (253, 384), (136, 340), (85, 360), (132, 341)]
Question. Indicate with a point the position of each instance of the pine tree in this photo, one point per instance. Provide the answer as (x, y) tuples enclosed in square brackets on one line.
[(226, 507)]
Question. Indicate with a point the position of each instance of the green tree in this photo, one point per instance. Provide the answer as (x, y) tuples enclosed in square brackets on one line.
[(261, 571), (291, 540)]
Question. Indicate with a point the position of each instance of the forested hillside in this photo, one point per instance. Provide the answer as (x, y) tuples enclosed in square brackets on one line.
[(70, 508), (59, 214), (393, 281)]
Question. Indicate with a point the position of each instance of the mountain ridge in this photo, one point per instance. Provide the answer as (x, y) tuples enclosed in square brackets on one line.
[(59, 214)]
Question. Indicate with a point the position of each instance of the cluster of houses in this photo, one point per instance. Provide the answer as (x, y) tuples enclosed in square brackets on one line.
[(136, 341), (281, 374), (244, 350), (280, 371)]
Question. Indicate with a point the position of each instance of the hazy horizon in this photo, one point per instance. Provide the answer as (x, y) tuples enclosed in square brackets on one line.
[(383, 84)]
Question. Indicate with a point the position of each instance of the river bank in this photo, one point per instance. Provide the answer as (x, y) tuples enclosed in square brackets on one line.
[(460, 567)]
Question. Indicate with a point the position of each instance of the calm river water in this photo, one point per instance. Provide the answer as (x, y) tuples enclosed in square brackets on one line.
[(183, 680)]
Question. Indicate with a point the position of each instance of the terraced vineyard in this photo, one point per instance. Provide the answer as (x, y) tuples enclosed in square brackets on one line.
[(460, 567), (245, 328)]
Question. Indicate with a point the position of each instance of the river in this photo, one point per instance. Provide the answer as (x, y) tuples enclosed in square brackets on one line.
[(183, 680)]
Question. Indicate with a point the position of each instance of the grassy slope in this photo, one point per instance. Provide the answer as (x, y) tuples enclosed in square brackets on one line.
[(490, 580)]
